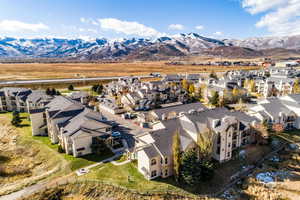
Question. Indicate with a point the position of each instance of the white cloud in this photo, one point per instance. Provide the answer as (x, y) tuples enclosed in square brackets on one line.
[(88, 30), (128, 27), (176, 27), (88, 21), (82, 19), (15, 26), (257, 6), (218, 33), (199, 27), (281, 17)]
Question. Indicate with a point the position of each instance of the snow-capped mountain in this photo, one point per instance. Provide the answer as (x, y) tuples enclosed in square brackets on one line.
[(178, 45), (259, 43)]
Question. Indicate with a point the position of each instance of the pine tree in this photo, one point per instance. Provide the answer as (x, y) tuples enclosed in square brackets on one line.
[(99, 89), (176, 155), (191, 168), (53, 91), (48, 91), (213, 75), (16, 120), (71, 87)]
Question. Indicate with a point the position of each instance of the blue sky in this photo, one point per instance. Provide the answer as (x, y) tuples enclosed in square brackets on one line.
[(148, 18)]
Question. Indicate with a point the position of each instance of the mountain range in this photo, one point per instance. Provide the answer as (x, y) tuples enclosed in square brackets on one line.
[(145, 49)]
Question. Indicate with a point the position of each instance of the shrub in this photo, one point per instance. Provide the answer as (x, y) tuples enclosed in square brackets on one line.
[(60, 149)]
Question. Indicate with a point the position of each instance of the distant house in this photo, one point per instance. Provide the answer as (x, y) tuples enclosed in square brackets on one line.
[(80, 96), (174, 110), (172, 78), (274, 86), (284, 110), (110, 105), (15, 98), (37, 99), (193, 78), (22, 99)]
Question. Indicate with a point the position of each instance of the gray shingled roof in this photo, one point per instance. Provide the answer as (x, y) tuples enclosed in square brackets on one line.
[(86, 121), (179, 108), (37, 96), (275, 107)]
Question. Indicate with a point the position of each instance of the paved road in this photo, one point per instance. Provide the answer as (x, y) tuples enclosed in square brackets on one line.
[(40, 81)]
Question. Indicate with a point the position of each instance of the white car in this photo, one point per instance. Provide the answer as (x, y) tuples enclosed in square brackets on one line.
[(82, 171)]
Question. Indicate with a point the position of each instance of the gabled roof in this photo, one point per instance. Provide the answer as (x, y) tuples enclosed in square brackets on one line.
[(60, 103), (179, 108), (78, 95), (37, 96), (275, 107), (87, 121)]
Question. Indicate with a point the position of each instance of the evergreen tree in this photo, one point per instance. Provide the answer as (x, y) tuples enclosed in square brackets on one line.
[(71, 87), (99, 89), (16, 120), (213, 75), (191, 168), (176, 155), (207, 170), (48, 91), (53, 91)]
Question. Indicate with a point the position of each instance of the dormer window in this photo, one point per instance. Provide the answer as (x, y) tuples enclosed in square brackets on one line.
[(153, 161)]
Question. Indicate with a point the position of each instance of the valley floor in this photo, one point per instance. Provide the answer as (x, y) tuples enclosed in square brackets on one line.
[(76, 70)]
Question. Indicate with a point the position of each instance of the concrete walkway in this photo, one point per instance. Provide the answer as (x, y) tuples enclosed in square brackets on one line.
[(120, 163)]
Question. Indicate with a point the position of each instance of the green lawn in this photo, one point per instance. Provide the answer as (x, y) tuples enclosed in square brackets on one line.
[(44, 143), (128, 176)]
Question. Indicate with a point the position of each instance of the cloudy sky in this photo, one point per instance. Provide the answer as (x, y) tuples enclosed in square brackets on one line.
[(148, 18)]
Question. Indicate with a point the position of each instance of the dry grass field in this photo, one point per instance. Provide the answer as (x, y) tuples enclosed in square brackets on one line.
[(70, 70)]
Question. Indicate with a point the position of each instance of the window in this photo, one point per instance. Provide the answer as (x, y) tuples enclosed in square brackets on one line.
[(166, 172), (218, 150), (229, 145), (153, 161), (166, 160), (228, 154), (219, 138), (153, 173), (234, 135), (233, 145)]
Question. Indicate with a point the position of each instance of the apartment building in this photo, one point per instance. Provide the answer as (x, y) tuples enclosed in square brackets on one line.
[(230, 130), (70, 124)]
